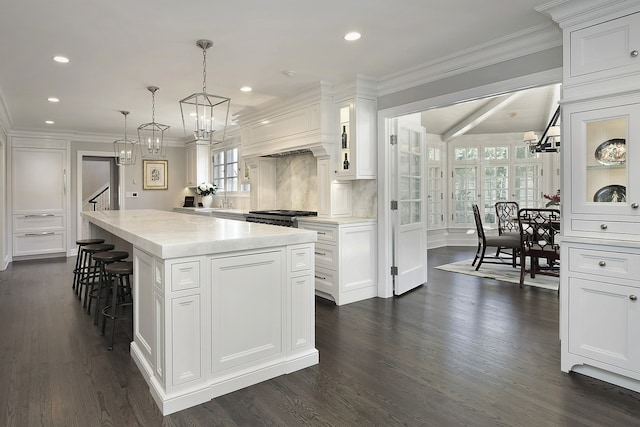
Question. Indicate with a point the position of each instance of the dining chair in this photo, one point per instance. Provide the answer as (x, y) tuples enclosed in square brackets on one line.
[(507, 220), (538, 231), (485, 241)]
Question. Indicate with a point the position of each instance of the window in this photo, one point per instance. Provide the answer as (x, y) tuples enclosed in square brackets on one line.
[(225, 171), (490, 173)]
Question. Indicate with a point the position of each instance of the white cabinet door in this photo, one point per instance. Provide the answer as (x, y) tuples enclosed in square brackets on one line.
[(603, 321), (39, 180), (604, 193), (610, 47)]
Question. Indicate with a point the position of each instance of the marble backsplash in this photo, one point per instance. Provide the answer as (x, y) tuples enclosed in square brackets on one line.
[(296, 182), (297, 188)]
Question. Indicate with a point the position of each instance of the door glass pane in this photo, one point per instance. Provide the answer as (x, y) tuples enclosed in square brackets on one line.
[(496, 187), (527, 185), (606, 160), (465, 190)]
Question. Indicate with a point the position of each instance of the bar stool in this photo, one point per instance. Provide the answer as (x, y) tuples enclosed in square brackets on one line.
[(89, 270), (102, 259), (120, 273), (80, 258)]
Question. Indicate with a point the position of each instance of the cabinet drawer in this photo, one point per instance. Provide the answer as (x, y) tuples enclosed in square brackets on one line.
[(300, 259), (185, 275), (326, 233), (605, 228), (604, 263), (326, 281), (37, 222), (326, 255), (37, 243)]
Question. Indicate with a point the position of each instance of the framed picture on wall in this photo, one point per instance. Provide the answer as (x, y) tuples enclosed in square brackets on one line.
[(155, 174)]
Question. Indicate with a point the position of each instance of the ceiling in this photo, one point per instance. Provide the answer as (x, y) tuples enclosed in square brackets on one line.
[(117, 48)]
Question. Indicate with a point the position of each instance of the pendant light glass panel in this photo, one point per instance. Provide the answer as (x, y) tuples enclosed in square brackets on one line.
[(125, 148), (151, 135)]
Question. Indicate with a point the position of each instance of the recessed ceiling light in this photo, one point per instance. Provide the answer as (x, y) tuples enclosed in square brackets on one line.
[(352, 36), (53, 99), (61, 59), (245, 89), (49, 122)]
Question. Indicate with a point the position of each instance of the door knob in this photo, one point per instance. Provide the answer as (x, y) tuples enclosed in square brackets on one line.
[(634, 205), (633, 297), (602, 263), (633, 53), (603, 226)]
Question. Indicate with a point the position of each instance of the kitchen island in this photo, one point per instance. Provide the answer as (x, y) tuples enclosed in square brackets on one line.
[(218, 304)]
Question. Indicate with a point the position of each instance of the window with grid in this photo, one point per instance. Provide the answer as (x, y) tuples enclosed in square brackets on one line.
[(435, 204), (225, 170), (495, 176)]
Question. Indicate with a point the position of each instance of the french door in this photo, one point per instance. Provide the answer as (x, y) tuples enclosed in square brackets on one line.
[(409, 220)]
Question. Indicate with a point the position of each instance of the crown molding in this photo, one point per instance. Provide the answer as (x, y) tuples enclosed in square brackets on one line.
[(568, 13), (525, 42)]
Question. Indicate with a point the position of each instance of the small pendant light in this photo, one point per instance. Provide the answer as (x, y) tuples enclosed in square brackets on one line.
[(125, 149), (151, 135)]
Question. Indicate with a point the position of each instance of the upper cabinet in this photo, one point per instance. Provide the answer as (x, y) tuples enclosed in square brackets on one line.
[(357, 130), (198, 157), (356, 123), (601, 52), (604, 191)]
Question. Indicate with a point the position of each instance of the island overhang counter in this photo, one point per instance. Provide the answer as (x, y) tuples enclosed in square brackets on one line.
[(218, 304)]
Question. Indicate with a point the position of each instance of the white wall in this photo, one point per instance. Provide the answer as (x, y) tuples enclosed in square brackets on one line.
[(95, 174)]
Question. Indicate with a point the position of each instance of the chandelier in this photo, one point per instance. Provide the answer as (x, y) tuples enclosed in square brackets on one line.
[(550, 140), (151, 135), (125, 149), (205, 116)]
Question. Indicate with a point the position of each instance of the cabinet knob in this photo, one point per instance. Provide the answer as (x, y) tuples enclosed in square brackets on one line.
[(633, 297), (603, 226), (634, 53), (634, 205), (602, 263)]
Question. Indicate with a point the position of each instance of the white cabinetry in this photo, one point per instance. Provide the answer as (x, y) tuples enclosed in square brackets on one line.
[(603, 312), (357, 128), (345, 259), (602, 50), (604, 194), (198, 158), (600, 258), (39, 196)]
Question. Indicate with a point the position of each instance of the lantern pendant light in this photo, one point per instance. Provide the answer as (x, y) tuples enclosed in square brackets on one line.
[(151, 135), (205, 116), (125, 149)]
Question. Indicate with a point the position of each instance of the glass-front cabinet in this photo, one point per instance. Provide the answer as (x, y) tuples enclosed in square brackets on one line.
[(604, 182)]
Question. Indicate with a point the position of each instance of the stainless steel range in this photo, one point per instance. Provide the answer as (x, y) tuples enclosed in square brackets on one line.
[(286, 218)]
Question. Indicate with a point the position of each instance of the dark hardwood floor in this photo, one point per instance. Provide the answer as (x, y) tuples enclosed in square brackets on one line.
[(460, 350)]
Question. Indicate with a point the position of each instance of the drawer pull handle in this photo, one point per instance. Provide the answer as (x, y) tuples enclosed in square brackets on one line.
[(633, 297), (602, 263), (44, 233), (603, 226), (39, 215), (634, 53), (321, 278), (634, 205), (321, 253), (321, 232)]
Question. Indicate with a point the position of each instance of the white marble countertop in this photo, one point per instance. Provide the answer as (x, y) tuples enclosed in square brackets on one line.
[(213, 210), (171, 235)]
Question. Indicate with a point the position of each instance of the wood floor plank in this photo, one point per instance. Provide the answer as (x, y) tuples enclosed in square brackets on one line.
[(460, 350)]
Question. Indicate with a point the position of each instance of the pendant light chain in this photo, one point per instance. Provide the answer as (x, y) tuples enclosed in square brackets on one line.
[(153, 106), (204, 70)]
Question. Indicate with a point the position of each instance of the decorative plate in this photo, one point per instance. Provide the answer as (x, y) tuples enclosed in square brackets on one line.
[(612, 152), (611, 193)]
